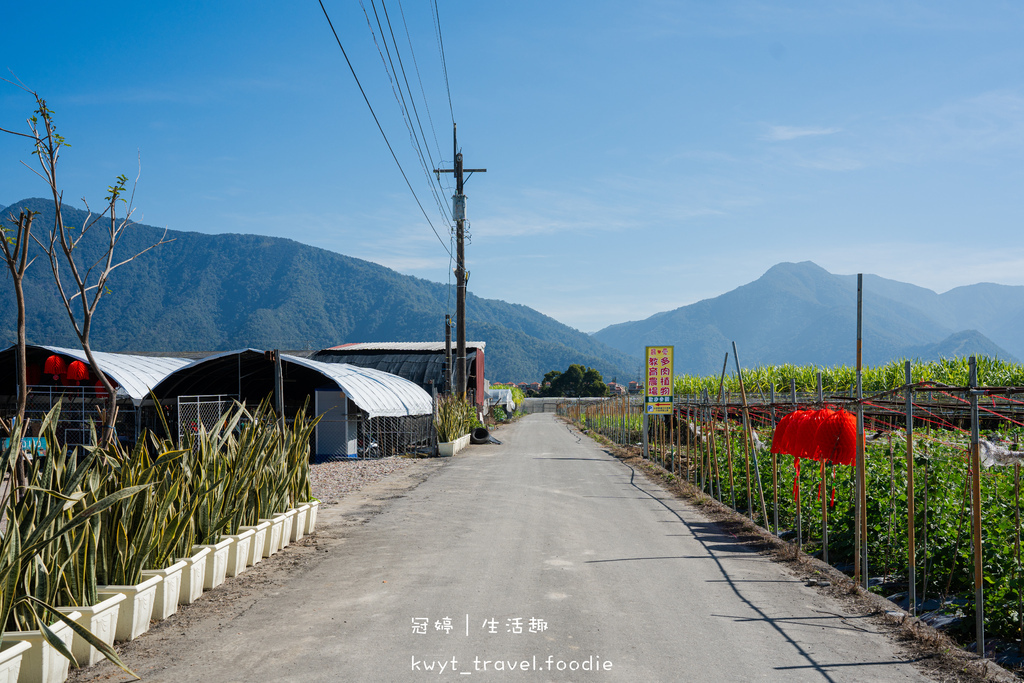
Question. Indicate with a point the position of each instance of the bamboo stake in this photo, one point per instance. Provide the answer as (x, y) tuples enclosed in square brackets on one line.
[(705, 455), (860, 568), (775, 470), (689, 453), (799, 521), (728, 453), (1016, 518), (823, 491), (911, 526), (796, 479), (979, 584), (924, 529), (749, 437), (821, 487), (678, 456), (892, 504), (728, 447)]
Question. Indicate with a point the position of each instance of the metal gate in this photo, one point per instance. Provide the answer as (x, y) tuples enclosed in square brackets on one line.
[(205, 411)]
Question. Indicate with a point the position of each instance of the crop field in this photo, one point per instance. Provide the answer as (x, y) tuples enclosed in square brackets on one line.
[(812, 502)]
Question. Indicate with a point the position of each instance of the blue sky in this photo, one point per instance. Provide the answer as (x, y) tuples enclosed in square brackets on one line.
[(641, 156)]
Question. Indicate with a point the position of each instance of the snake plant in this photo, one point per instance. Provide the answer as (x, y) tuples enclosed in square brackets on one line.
[(47, 548)]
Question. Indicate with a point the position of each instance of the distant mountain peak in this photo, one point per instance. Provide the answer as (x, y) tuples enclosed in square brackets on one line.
[(800, 313)]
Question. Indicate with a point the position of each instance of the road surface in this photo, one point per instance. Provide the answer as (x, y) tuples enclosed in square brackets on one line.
[(542, 559)]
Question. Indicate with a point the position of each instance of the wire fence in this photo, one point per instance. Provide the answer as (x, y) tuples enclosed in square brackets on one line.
[(82, 409), (80, 415), (940, 527)]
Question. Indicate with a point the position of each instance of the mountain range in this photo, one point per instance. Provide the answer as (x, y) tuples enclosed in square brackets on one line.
[(800, 313), (214, 292), (206, 292)]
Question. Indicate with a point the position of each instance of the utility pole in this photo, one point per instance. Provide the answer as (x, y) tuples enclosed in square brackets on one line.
[(459, 212), (446, 386)]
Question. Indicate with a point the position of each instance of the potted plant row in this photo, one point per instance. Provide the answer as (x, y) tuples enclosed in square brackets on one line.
[(452, 421), (122, 537), (48, 557)]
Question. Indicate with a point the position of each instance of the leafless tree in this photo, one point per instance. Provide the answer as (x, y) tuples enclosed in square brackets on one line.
[(81, 284), (15, 241)]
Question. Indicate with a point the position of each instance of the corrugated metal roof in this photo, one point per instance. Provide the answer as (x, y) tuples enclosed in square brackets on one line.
[(380, 394), (425, 368), (403, 346), (136, 375)]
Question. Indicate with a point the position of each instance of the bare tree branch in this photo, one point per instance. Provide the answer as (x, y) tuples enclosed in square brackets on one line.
[(80, 289)]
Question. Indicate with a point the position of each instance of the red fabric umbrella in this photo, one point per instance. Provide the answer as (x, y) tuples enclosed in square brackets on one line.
[(78, 370)]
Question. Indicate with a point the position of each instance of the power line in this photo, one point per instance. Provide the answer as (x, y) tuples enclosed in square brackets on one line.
[(423, 92), (381, 129), (444, 63), (401, 65), (396, 90)]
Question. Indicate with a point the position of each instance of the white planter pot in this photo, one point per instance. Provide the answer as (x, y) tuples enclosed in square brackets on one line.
[(449, 448), (314, 505), (286, 530), (10, 660), (192, 577), (165, 601), (216, 562), (100, 619), (41, 663), (137, 610), (260, 540), (299, 523), (238, 555), (273, 543)]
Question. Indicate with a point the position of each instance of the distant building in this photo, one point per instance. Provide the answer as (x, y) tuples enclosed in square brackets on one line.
[(418, 362)]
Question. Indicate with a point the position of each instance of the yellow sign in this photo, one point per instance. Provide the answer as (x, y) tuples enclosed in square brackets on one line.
[(658, 380)]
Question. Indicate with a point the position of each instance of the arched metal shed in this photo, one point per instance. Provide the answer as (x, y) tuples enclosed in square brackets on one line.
[(80, 397), (363, 411)]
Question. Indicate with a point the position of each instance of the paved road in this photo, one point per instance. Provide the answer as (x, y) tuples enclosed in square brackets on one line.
[(544, 553)]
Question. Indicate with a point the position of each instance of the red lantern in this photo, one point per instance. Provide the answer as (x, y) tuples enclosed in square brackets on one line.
[(779, 437), (55, 366), (805, 444), (789, 441), (78, 371), (101, 391), (821, 418), (34, 374), (838, 438)]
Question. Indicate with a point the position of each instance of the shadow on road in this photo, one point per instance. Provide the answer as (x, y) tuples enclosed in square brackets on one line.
[(716, 543)]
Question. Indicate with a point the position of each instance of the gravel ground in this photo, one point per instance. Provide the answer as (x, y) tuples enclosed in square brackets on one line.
[(332, 480)]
